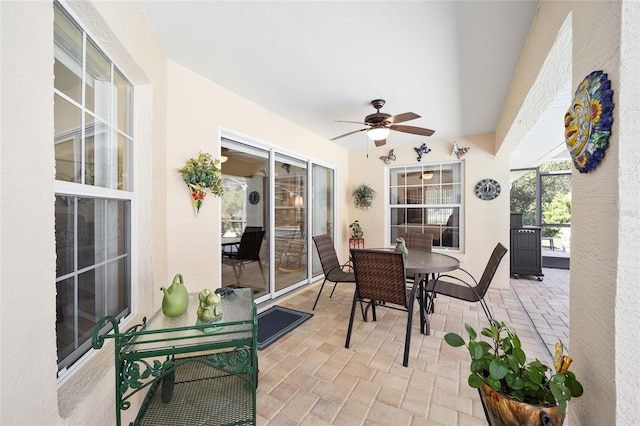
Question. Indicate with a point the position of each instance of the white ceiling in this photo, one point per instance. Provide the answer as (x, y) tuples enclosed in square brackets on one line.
[(314, 62)]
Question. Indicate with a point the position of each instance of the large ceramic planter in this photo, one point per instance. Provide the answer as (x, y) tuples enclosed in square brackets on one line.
[(502, 410)]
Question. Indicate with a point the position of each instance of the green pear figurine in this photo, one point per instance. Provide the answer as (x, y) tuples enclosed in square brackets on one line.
[(176, 298), (401, 247)]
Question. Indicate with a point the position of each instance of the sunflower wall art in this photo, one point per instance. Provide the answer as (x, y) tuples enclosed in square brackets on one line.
[(588, 121)]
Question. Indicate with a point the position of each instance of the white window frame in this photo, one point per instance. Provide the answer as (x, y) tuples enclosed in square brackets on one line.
[(446, 199), (108, 172)]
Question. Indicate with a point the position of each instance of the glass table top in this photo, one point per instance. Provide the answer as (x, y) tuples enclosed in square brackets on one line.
[(181, 333)]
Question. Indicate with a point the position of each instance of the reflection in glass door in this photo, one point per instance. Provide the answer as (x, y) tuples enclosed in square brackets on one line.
[(323, 213), (290, 221), (244, 217)]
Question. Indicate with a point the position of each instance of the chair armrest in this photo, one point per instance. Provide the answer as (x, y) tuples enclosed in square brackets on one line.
[(472, 288), (470, 276), (340, 267), (347, 265)]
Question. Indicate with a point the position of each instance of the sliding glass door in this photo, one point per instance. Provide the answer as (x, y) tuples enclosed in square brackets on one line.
[(286, 197), (323, 208), (245, 208), (290, 221)]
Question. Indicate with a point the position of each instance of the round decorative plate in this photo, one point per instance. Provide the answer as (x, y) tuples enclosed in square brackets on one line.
[(588, 121), (254, 197), (488, 189)]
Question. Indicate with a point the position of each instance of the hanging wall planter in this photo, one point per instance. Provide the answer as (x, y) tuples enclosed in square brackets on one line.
[(202, 174), (363, 196)]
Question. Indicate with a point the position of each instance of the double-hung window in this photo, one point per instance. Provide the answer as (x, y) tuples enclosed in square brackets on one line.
[(428, 198), (93, 110)]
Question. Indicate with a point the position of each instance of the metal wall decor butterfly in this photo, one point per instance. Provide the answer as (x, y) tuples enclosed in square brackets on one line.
[(459, 152), (388, 158), (422, 150)]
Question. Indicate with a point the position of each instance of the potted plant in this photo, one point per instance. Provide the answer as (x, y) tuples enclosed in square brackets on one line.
[(202, 174), (356, 240), (513, 390), (356, 230), (363, 196)]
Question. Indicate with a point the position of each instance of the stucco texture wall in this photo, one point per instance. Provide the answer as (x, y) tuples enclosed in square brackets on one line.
[(27, 248), (30, 392), (605, 232)]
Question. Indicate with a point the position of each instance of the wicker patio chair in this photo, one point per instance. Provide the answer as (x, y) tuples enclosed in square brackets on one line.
[(248, 252), (380, 281), (331, 267), (417, 240), (461, 289)]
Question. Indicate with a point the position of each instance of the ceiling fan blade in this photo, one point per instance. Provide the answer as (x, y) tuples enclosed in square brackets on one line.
[(412, 129), (347, 134), (380, 142), (399, 118), (354, 122)]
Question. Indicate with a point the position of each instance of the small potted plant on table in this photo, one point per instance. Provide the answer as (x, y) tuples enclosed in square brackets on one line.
[(514, 391)]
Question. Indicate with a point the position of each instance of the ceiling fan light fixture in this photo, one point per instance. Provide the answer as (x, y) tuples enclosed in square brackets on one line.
[(427, 175), (223, 158), (378, 133)]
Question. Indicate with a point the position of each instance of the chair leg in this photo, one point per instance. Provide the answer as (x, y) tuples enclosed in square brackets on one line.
[(353, 311), (485, 307), (319, 293), (235, 272), (420, 298), (334, 289), (371, 304), (407, 338)]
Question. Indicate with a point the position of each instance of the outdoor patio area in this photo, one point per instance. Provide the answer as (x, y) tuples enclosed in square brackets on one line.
[(308, 377)]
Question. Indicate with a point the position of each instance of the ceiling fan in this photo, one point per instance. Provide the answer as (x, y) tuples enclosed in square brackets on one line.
[(380, 124)]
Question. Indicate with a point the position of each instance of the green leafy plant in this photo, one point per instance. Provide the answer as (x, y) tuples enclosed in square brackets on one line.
[(503, 366), (363, 196), (203, 171), (356, 230)]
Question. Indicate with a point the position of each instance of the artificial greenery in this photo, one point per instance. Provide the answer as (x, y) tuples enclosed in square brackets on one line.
[(356, 230), (503, 366), (204, 172), (363, 195)]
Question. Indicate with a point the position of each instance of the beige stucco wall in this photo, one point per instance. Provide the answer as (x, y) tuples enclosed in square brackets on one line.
[(605, 229), (541, 72), (627, 357), (486, 222), (27, 249), (30, 393)]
